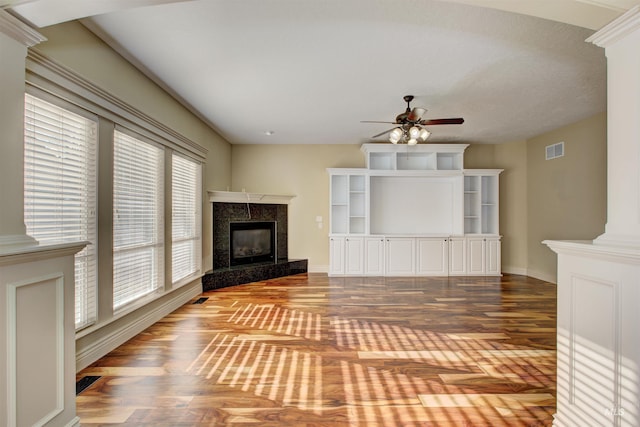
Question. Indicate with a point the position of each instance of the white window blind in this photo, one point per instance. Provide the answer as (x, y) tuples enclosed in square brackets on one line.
[(60, 190), (138, 226), (186, 247)]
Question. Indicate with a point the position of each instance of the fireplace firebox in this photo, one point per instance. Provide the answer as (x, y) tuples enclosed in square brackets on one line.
[(252, 242)]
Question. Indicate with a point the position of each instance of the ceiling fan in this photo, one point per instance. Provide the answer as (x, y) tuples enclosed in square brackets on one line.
[(410, 129)]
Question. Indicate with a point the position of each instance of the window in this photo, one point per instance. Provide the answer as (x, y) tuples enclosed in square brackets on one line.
[(60, 190), (116, 194), (186, 216), (138, 226)]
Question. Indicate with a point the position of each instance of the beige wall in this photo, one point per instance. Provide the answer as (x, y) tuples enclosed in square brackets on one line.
[(298, 170), (479, 156), (512, 158), (566, 197), (563, 198)]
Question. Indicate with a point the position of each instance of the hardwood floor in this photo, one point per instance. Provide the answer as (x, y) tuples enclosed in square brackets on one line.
[(308, 350)]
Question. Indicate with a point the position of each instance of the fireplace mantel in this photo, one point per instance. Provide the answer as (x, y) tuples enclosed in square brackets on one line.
[(242, 197)]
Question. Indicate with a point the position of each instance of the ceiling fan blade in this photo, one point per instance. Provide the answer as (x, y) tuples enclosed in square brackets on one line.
[(416, 114), (452, 121), (375, 121), (382, 133)]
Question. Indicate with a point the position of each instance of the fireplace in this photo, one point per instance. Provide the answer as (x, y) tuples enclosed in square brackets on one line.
[(260, 255), (252, 242)]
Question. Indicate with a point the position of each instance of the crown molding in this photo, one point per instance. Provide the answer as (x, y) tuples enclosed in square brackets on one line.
[(617, 29), (40, 65), (18, 30)]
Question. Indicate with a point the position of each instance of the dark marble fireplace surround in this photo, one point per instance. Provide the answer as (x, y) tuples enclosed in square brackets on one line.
[(223, 274)]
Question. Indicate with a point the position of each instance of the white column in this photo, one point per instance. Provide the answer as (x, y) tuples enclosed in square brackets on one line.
[(598, 377), (37, 336), (621, 40), (15, 38)]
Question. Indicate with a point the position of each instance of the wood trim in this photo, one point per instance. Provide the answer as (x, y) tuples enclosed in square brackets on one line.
[(242, 197), (18, 30), (617, 29), (56, 279), (94, 350), (18, 255), (44, 73)]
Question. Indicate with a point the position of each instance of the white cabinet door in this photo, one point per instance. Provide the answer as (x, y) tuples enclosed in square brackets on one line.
[(492, 256), (374, 256), (483, 256), (354, 256), (475, 256), (433, 256), (336, 256), (457, 256), (400, 253)]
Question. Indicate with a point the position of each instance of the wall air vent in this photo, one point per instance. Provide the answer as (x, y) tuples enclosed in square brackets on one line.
[(555, 150)]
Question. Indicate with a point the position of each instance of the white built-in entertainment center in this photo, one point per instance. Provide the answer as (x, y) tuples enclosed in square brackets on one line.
[(414, 211)]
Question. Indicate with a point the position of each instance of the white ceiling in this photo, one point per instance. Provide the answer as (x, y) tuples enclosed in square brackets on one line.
[(310, 71)]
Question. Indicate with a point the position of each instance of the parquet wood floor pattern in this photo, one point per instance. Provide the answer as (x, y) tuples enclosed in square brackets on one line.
[(309, 350)]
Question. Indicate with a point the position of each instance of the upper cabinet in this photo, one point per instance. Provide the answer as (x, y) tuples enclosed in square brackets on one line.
[(428, 157)]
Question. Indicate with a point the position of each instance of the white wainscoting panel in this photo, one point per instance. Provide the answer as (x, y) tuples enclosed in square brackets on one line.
[(37, 336), (598, 377), (36, 366), (594, 345)]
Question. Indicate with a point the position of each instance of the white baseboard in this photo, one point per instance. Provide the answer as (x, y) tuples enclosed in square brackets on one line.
[(541, 275), (318, 269), (111, 340), (514, 270)]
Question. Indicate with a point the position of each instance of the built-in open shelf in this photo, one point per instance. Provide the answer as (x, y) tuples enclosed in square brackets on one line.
[(414, 210)]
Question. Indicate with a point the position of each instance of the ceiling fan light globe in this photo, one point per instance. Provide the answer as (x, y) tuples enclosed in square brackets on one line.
[(412, 141), (424, 134), (414, 132), (395, 135)]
